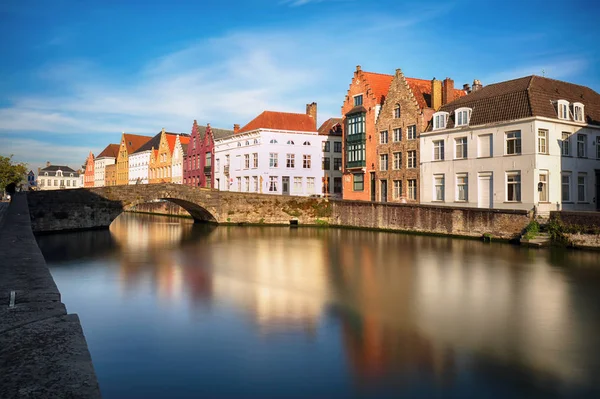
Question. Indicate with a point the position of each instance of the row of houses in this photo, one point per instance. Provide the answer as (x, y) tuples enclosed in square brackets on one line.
[(527, 143)]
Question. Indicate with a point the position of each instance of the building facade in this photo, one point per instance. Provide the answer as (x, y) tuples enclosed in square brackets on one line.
[(108, 156), (332, 157), (531, 143), (31, 181), (161, 164), (110, 175), (129, 144), (275, 153), (179, 158), (57, 177), (198, 169), (408, 108), (88, 174)]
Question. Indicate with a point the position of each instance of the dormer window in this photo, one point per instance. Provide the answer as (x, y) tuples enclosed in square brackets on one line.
[(273, 141), (358, 100), (306, 143), (439, 120), (578, 115), (563, 109), (290, 142), (462, 116)]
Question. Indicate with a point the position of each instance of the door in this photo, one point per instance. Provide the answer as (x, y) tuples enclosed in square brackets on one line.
[(485, 190), (285, 185), (383, 190), (373, 185), (598, 188)]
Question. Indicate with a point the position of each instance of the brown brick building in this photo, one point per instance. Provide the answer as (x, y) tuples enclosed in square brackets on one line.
[(409, 106)]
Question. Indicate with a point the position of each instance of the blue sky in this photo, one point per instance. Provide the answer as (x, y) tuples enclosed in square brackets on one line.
[(75, 74)]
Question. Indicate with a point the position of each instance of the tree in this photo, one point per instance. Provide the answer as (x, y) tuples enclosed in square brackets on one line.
[(11, 172)]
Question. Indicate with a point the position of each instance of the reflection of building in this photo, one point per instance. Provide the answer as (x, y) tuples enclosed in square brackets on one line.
[(57, 177)]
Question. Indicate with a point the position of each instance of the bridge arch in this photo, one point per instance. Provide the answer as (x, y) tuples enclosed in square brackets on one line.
[(199, 213)]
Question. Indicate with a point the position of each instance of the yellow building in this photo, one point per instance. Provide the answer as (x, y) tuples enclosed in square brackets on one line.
[(161, 160), (129, 143)]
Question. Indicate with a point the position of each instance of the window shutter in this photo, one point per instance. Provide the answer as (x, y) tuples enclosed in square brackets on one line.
[(485, 145)]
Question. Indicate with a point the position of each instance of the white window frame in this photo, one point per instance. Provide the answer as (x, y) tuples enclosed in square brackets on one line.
[(383, 162), (510, 180), (397, 160), (273, 181), (273, 160), (440, 120), (517, 142), (462, 180), (306, 161), (310, 185), (543, 180), (397, 134), (297, 184), (566, 198), (542, 141), (412, 159), (438, 150), (412, 189), (565, 145), (461, 142), (563, 109), (578, 112), (584, 185), (397, 189), (411, 132), (290, 161), (582, 139), (383, 137), (439, 182), (462, 116)]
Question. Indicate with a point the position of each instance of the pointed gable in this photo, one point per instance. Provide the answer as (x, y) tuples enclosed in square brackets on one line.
[(134, 141), (281, 121), (111, 151)]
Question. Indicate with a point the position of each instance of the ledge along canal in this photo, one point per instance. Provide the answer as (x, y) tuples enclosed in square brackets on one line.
[(173, 309)]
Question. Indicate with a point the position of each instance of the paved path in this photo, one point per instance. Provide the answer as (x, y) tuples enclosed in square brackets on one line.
[(3, 208), (43, 352)]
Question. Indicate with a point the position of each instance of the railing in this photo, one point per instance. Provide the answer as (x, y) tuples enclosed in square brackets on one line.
[(356, 164), (352, 138)]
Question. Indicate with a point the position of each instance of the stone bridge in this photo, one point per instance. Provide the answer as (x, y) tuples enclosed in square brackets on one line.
[(82, 209)]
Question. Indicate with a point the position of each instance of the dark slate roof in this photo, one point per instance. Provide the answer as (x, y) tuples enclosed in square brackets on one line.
[(220, 133), (522, 98), (154, 142), (326, 128), (54, 168)]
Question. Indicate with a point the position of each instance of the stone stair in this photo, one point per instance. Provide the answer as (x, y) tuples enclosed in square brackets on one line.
[(541, 239)]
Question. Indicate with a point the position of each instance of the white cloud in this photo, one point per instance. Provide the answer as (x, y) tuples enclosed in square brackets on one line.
[(36, 153)]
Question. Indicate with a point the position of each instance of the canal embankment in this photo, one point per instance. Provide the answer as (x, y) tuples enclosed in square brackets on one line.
[(43, 351)]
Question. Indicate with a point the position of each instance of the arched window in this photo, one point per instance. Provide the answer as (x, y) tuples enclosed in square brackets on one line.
[(306, 143), (439, 120), (255, 141), (290, 142), (462, 116), (273, 141), (239, 144), (247, 142), (397, 111)]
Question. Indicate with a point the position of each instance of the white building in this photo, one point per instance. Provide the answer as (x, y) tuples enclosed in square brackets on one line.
[(528, 143), (276, 153), (58, 177), (332, 157), (107, 157), (179, 155), (139, 161)]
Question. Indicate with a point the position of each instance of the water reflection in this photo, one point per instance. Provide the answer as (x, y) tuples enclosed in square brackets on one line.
[(418, 315)]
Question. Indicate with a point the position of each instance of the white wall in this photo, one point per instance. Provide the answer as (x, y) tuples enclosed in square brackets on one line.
[(264, 172), (99, 170), (177, 163), (139, 165), (66, 181)]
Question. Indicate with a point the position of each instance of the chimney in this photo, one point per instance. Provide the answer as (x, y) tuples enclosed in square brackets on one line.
[(163, 130), (358, 68), (48, 163), (467, 88), (477, 85), (311, 110), (436, 94), (236, 128), (447, 91)]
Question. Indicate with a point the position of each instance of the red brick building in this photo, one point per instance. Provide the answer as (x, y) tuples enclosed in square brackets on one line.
[(88, 175)]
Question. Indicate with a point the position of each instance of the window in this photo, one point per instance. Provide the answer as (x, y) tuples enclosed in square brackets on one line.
[(55, 183), (412, 189), (564, 145), (272, 184), (69, 183), (326, 163), (563, 109), (337, 146), (513, 186), (297, 184), (566, 187), (246, 161), (239, 183), (337, 185), (383, 137), (255, 183), (581, 187), (438, 150), (306, 143), (358, 100), (439, 120), (273, 163), (542, 141), (273, 141), (462, 116), (412, 160), (397, 134), (397, 193), (326, 146), (578, 115), (461, 148), (383, 162), (247, 143), (438, 183), (238, 162), (397, 111), (226, 160), (581, 145), (543, 187), (255, 141), (310, 185), (358, 181), (397, 160), (462, 187), (337, 163), (239, 144), (255, 160), (246, 183), (411, 132), (290, 161), (306, 161), (513, 142), (290, 142)]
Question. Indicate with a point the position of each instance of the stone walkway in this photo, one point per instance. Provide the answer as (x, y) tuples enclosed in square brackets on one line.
[(43, 352), (3, 209)]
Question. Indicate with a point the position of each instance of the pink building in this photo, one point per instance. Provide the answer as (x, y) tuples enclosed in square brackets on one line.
[(198, 165)]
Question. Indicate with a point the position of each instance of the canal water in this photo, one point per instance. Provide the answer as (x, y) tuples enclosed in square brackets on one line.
[(176, 310)]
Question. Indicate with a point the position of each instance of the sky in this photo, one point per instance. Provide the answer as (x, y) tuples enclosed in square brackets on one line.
[(76, 74)]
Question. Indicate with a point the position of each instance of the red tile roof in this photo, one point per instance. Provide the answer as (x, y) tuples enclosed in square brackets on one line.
[(421, 89), (281, 121), (379, 84), (134, 141), (111, 151), (328, 125)]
